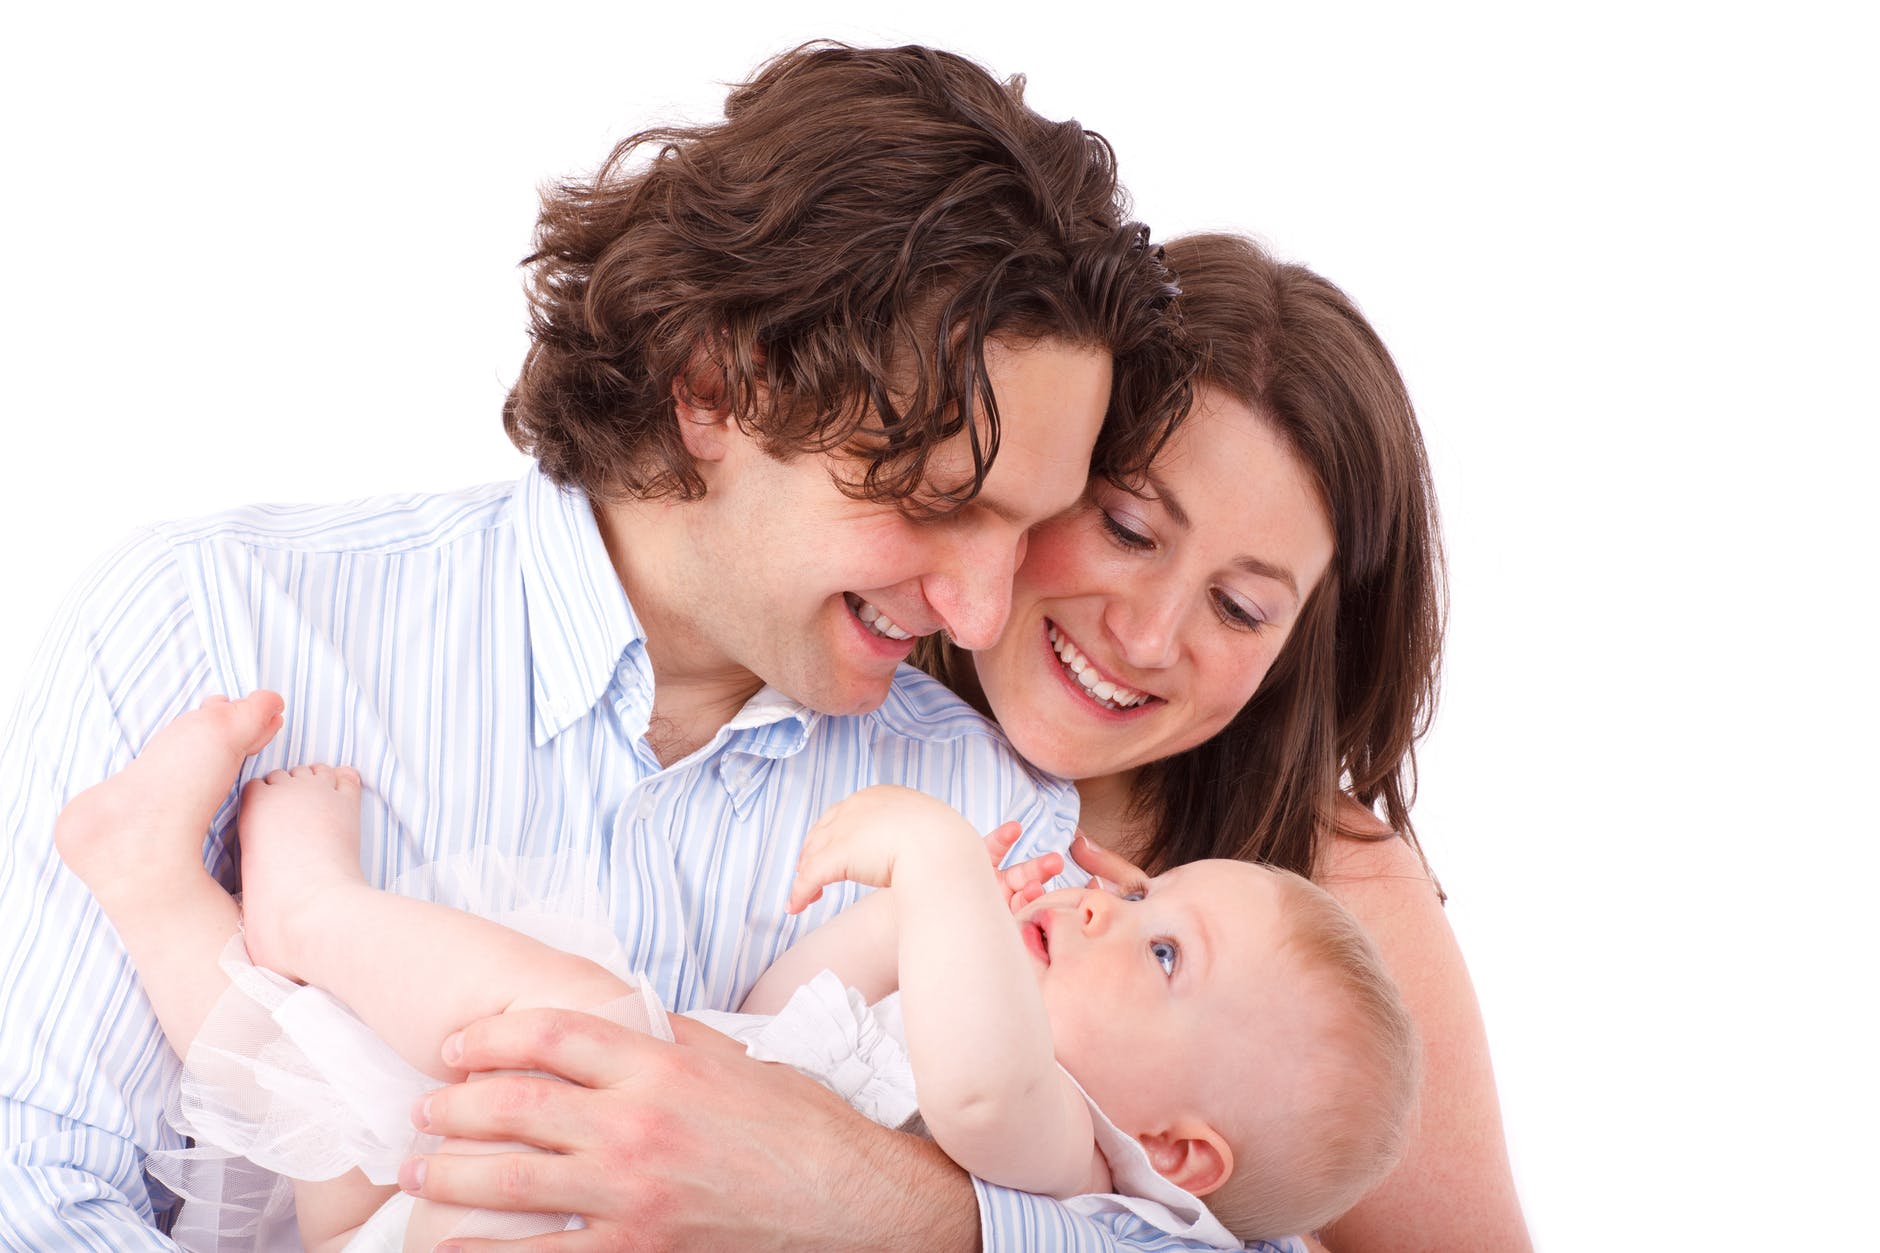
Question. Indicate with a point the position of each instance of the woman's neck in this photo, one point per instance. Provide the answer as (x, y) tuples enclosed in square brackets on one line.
[(1104, 814)]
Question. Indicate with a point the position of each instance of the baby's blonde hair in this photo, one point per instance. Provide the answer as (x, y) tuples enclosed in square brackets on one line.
[(1349, 1125)]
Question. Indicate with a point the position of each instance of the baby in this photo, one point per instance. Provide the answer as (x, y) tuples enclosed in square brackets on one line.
[(1222, 1030)]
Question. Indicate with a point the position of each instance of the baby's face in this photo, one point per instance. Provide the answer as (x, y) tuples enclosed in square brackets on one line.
[(1154, 991)]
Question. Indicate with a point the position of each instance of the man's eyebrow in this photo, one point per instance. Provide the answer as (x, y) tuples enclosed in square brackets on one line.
[(1165, 497), (1001, 510)]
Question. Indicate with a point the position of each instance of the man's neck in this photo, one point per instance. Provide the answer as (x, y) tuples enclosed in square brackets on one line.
[(695, 689)]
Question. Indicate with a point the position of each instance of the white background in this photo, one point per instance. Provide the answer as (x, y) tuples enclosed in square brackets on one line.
[(1625, 256)]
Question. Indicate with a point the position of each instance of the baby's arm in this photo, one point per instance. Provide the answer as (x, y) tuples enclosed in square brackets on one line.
[(861, 944), (991, 1091)]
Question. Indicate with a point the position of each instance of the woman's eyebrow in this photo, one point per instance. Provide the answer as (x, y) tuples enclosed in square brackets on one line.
[(1165, 496), (1252, 565)]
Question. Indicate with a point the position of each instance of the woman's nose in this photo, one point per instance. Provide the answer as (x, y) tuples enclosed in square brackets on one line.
[(1146, 625)]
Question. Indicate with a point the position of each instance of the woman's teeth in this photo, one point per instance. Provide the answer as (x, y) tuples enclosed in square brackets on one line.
[(1103, 691), (877, 621)]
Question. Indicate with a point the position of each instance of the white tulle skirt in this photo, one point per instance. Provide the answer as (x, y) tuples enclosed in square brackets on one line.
[(284, 1082)]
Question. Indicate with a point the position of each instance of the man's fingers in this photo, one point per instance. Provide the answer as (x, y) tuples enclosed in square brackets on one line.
[(582, 1241), (1101, 862), (530, 1109), (577, 1047), (543, 1183)]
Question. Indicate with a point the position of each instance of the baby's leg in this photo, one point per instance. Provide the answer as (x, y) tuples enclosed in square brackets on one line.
[(136, 841), (414, 971)]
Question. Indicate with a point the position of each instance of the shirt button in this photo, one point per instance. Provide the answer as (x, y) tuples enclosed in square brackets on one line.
[(644, 808)]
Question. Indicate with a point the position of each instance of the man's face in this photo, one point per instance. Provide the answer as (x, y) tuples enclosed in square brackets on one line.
[(822, 596)]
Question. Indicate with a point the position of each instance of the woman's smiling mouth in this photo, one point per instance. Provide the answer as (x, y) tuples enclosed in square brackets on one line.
[(1099, 687)]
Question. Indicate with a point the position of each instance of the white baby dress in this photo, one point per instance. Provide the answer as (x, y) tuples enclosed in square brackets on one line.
[(284, 1082)]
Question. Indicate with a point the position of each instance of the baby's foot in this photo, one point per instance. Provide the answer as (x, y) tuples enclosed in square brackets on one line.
[(300, 839), (142, 828)]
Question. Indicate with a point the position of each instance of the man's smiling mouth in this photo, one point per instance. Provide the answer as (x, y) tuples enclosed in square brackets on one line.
[(875, 620)]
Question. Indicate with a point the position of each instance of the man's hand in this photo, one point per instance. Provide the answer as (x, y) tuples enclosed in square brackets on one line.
[(688, 1146)]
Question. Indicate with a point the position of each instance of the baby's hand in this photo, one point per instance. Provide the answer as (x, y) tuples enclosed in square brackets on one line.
[(863, 838), (1022, 883)]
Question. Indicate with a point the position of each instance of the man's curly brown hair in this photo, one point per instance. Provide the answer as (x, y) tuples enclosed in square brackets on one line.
[(827, 264)]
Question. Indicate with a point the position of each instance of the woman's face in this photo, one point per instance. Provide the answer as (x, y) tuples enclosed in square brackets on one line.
[(1140, 627)]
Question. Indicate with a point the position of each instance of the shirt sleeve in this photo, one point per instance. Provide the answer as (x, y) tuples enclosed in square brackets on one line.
[(84, 1070)]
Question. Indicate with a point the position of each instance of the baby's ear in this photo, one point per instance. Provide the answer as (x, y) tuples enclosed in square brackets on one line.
[(1194, 1156)]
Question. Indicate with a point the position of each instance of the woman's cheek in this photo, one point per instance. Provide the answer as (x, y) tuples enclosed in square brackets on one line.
[(1058, 559)]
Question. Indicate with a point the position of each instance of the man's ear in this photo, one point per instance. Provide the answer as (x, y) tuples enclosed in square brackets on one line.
[(706, 430), (1193, 1156)]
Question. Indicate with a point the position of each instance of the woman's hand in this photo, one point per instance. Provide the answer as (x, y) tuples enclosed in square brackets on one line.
[(1107, 870)]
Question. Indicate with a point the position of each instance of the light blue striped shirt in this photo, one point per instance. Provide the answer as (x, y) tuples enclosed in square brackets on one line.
[(474, 656)]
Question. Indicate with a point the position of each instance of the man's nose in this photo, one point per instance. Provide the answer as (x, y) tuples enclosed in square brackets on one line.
[(974, 597)]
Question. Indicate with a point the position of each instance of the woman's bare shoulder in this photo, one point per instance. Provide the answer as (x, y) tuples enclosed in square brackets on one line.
[(1453, 1189), (1366, 856)]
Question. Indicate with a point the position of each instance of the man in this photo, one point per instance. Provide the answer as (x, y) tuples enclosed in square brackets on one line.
[(799, 384)]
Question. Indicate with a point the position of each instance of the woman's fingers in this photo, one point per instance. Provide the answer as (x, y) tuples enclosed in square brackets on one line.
[(1107, 868)]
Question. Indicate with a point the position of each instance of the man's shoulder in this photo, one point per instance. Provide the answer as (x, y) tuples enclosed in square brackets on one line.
[(383, 525), (919, 706), (922, 719)]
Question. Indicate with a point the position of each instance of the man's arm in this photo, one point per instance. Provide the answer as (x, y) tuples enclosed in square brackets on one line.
[(83, 1069), (644, 1152)]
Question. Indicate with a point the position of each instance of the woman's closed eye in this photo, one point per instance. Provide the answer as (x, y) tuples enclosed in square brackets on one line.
[(1167, 954), (1123, 534), (1236, 612)]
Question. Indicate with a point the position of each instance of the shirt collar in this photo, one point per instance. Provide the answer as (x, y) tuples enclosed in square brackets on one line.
[(581, 624), (579, 619)]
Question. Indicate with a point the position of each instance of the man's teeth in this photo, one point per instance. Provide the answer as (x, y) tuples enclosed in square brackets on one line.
[(1107, 693), (879, 622)]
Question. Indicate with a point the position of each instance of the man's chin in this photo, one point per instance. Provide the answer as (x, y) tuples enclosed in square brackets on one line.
[(850, 699)]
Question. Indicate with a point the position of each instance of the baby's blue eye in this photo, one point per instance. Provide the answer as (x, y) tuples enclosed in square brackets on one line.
[(1165, 953), (1132, 894)]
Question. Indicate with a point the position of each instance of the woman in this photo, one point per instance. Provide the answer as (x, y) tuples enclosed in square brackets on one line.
[(1236, 658)]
